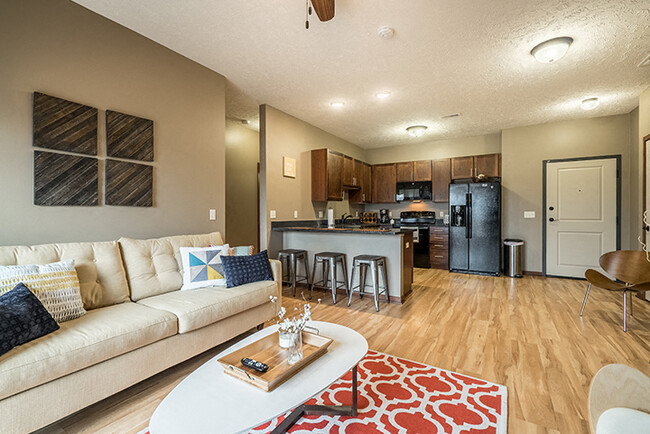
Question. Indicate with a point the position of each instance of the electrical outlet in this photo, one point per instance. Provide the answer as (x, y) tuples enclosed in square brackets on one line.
[(272, 213), (529, 214), (356, 214), (390, 214), (442, 215), (320, 214), (213, 214), (295, 213)]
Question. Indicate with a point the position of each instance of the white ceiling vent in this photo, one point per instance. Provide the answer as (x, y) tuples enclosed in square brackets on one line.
[(645, 62)]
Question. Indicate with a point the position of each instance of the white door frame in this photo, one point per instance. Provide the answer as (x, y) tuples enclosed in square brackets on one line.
[(545, 207)]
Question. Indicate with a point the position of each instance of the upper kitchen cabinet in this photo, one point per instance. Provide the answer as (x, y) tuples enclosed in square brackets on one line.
[(326, 175), (441, 179), (489, 165), (413, 171), (472, 166), (363, 193), (383, 183), (351, 168)]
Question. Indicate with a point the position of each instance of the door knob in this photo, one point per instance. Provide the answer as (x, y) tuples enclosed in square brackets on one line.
[(551, 208), (646, 228), (551, 219)]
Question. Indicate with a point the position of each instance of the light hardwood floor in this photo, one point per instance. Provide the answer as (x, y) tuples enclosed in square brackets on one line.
[(523, 333)]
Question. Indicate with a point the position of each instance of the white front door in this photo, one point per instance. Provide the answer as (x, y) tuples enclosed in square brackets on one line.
[(580, 214)]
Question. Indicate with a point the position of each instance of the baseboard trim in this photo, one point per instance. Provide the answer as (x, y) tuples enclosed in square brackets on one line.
[(533, 273)]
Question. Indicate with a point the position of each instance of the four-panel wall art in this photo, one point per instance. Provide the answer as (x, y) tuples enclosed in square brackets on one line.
[(67, 168)]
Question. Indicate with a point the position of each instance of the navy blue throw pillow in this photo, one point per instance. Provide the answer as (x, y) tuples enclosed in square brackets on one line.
[(240, 270), (22, 318)]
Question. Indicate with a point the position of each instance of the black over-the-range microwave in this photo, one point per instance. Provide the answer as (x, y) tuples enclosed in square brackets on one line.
[(413, 191)]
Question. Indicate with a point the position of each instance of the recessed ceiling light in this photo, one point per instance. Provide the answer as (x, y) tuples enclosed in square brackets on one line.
[(589, 103), (385, 32), (383, 95), (416, 130), (336, 104), (552, 50)]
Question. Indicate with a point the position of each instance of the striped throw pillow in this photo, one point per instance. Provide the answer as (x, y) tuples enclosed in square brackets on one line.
[(56, 286)]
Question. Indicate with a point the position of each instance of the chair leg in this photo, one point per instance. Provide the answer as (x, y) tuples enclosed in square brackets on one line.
[(333, 273), (354, 268), (385, 274), (313, 273), (344, 268), (585, 300), (309, 281), (624, 311), (375, 284), (294, 274), (363, 272)]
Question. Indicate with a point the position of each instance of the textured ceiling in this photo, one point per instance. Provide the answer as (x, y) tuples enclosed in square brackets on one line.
[(462, 56)]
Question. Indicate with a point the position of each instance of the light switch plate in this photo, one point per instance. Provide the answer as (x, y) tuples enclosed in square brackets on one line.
[(529, 214), (213, 214), (272, 213), (356, 214), (390, 214), (320, 214), (295, 213)]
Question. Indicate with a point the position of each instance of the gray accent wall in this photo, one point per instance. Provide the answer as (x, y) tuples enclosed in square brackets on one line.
[(62, 49)]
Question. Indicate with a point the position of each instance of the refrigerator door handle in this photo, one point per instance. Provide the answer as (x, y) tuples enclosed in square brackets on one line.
[(469, 215)]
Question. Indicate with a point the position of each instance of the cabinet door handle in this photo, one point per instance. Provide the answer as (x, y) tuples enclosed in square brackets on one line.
[(438, 256)]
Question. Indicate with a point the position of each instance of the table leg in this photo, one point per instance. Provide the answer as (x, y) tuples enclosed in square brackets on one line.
[(334, 410)]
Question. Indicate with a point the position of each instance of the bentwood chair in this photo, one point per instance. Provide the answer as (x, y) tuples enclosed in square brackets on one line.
[(630, 268)]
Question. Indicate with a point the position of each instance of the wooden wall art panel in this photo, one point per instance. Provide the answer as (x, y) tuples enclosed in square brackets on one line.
[(128, 184), (65, 180), (129, 136), (64, 125)]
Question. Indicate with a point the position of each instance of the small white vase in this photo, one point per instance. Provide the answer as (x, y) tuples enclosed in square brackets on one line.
[(295, 348), (284, 339)]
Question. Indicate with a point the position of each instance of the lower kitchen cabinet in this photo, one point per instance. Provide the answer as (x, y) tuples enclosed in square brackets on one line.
[(439, 247)]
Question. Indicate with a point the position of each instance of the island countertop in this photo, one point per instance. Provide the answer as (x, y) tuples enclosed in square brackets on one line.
[(344, 230)]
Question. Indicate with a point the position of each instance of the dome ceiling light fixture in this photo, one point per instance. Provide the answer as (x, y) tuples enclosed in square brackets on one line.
[(589, 103), (385, 32), (552, 50), (416, 130)]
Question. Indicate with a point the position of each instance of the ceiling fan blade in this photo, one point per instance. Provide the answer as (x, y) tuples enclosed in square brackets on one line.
[(324, 9)]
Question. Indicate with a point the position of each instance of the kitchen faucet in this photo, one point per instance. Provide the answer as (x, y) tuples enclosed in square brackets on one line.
[(344, 217)]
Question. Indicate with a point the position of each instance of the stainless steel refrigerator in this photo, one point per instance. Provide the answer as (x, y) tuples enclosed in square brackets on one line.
[(475, 228)]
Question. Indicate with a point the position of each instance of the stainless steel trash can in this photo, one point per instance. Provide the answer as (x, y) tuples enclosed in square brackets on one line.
[(512, 257)]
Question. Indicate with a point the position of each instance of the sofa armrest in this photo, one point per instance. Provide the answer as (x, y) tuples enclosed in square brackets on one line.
[(276, 269)]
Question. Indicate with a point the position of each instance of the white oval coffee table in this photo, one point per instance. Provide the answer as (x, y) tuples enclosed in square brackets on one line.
[(211, 401)]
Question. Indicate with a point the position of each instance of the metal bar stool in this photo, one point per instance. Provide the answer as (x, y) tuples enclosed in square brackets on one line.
[(362, 263), (329, 262), (291, 257)]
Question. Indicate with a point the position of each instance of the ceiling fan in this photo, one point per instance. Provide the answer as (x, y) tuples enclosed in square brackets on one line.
[(324, 9)]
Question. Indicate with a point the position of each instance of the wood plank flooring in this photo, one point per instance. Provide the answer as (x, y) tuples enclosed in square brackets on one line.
[(523, 333)]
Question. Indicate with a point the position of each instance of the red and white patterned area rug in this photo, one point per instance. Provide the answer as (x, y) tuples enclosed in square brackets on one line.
[(401, 396)]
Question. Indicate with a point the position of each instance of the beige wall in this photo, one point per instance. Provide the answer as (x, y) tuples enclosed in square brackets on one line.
[(643, 129), (524, 149), (284, 135), (475, 145), (242, 156), (62, 49), (636, 209)]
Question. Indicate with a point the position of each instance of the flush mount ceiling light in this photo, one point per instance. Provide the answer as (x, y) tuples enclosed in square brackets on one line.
[(552, 50), (336, 104), (383, 94), (385, 32), (589, 103), (416, 130)]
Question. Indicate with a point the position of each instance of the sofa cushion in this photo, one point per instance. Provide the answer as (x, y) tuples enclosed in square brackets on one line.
[(154, 266), (102, 280), (623, 420), (199, 307), (99, 335)]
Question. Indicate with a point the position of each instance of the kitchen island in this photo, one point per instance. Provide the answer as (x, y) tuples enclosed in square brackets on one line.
[(395, 244)]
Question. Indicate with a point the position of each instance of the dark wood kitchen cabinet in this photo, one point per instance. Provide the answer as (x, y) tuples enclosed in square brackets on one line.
[(439, 247), (472, 166), (441, 179), (350, 172), (413, 171), (326, 175), (383, 183), (363, 193)]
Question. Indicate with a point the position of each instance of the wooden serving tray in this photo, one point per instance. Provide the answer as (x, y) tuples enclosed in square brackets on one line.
[(267, 350)]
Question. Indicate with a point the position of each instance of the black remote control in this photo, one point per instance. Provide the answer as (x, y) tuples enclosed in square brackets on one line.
[(258, 366)]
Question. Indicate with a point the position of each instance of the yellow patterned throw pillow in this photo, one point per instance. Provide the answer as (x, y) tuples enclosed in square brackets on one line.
[(56, 286)]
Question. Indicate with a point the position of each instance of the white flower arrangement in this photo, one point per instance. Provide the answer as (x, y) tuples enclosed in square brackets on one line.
[(299, 320)]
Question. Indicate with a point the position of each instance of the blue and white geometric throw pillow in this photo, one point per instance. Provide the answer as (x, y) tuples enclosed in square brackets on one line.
[(202, 266)]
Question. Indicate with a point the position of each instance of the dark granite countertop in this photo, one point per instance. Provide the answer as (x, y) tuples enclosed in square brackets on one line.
[(345, 230)]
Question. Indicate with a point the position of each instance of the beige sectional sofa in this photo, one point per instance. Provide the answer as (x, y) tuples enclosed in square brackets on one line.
[(138, 324)]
